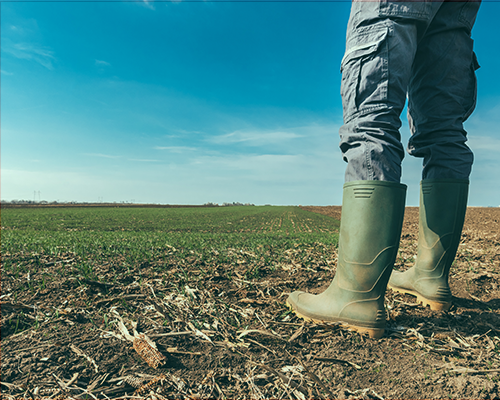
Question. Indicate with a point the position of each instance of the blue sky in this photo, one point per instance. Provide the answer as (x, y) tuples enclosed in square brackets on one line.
[(188, 103)]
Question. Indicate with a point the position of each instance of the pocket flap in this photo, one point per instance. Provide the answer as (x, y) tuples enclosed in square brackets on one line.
[(475, 63), (363, 44)]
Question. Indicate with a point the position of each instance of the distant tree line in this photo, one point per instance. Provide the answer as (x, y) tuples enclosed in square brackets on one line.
[(32, 203), (234, 203)]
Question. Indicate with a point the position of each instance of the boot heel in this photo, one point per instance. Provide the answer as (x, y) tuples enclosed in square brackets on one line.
[(434, 305), (372, 333)]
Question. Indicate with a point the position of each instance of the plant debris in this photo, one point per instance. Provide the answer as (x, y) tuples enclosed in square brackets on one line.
[(213, 324)]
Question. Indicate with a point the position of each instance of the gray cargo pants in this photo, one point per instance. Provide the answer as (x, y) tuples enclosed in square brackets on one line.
[(421, 50)]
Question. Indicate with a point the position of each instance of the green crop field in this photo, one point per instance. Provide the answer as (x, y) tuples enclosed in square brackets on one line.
[(128, 237), (71, 274)]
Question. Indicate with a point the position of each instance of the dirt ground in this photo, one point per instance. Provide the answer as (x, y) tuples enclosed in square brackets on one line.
[(228, 336)]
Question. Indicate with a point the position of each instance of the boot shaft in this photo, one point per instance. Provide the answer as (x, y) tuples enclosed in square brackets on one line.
[(370, 230), (443, 204)]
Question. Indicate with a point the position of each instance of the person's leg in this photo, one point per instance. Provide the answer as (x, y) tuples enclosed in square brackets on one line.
[(442, 94), (381, 44)]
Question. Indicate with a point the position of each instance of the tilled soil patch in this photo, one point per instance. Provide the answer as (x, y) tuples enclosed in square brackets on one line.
[(224, 335)]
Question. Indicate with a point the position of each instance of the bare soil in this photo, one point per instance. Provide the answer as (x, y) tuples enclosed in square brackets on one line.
[(225, 336)]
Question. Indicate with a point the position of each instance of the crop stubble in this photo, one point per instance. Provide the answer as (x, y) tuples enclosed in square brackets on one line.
[(208, 287)]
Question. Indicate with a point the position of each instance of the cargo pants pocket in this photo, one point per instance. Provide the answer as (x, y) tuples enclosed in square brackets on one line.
[(468, 13), (474, 66), (365, 73)]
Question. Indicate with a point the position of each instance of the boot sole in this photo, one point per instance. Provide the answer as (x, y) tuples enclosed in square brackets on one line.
[(433, 304), (374, 333)]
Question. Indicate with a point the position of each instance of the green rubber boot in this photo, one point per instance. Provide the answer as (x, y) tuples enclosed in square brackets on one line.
[(443, 203), (370, 229)]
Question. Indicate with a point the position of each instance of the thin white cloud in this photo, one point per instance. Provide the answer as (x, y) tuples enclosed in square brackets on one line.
[(7, 73), (101, 63), (253, 162), (485, 143), (24, 27), (482, 131), (101, 155), (27, 51), (254, 137), (185, 132), (176, 149), (142, 160), (148, 4)]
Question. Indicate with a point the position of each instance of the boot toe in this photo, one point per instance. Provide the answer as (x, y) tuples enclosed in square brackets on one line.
[(299, 302), (293, 300)]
